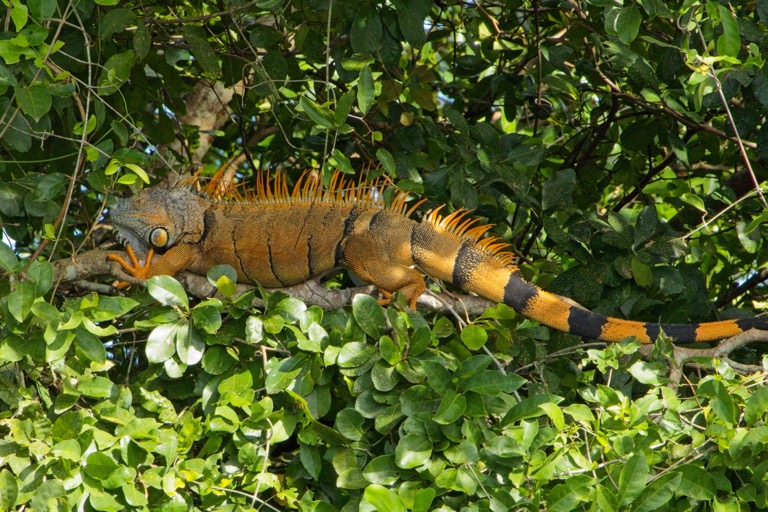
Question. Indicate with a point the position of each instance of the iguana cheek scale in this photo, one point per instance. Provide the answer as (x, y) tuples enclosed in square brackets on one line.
[(279, 238)]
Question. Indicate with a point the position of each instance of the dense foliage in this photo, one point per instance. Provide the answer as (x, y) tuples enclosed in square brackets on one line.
[(616, 146)]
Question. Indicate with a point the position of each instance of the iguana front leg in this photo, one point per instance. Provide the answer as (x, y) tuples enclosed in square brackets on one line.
[(176, 259)]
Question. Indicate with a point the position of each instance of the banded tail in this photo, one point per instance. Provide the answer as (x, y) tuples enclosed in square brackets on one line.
[(449, 249)]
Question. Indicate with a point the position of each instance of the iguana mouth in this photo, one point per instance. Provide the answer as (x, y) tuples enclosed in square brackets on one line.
[(125, 233), (127, 236)]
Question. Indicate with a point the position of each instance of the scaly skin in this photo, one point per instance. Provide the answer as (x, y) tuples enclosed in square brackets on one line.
[(278, 239)]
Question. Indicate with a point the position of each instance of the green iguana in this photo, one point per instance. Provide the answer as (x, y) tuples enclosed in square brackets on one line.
[(278, 238)]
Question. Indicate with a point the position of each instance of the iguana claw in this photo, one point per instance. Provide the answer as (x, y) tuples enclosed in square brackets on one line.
[(134, 268)]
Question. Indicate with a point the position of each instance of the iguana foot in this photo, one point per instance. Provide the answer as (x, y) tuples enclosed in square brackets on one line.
[(134, 268), (386, 297)]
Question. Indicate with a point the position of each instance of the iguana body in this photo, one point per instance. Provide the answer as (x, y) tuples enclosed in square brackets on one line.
[(279, 238)]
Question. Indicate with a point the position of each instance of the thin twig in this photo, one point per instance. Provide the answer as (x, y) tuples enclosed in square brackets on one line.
[(743, 152)]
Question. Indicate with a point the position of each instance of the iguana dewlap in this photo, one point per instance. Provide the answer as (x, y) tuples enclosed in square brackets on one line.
[(279, 238)]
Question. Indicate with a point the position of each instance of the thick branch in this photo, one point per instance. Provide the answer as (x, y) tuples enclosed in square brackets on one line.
[(81, 270)]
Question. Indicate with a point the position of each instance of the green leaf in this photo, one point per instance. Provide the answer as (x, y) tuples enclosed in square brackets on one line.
[(410, 18), (142, 42), (19, 15), (217, 360), (474, 337), (387, 162), (340, 161), (695, 201), (20, 300), (632, 479), (13, 348), (254, 330), (320, 115), (310, 459), (357, 62), (422, 501), (138, 171), (729, 43), (110, 308), (558, 190), (67, 426), (351, 478), (343, 106), (9, 490), (389, 350), (167, 291), (756, 406), (383, 499), (648, 373), (349, 423), (114, 21), (382, 470), (695, 482), (236, 383), (658, 493), (438, 376), (641, 272), (50, 491), (464, 453), (41, 10), (133, 496), (45, 312), (366, 31), (418, 399), (96, 387), (555, 414), (197, 39), (451, 407), (116, 72), (225, 420), (491, 382), (384, 377), (67, 449), (365, 90), (413, 450), (99, 465), (34, 100), (160, 343), (750, 240), (189, 345), (474, 365), (565, 497), (355, 354), (101, 500), (528, 408), (91, 346), (606, 500), (207, 316), (720, 399), (8, 260), (282, 373), (628, 24), (154, 402), (369, 315)]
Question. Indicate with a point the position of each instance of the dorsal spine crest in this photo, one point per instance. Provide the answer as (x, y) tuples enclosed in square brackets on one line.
[(340, 190)]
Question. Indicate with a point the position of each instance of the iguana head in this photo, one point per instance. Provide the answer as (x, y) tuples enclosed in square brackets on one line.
[(159, 218)]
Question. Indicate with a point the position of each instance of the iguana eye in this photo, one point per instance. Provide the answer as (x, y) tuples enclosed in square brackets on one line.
[(158, 238)]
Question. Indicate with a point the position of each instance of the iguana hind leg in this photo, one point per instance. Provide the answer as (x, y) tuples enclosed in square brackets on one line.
[(361, 256)]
